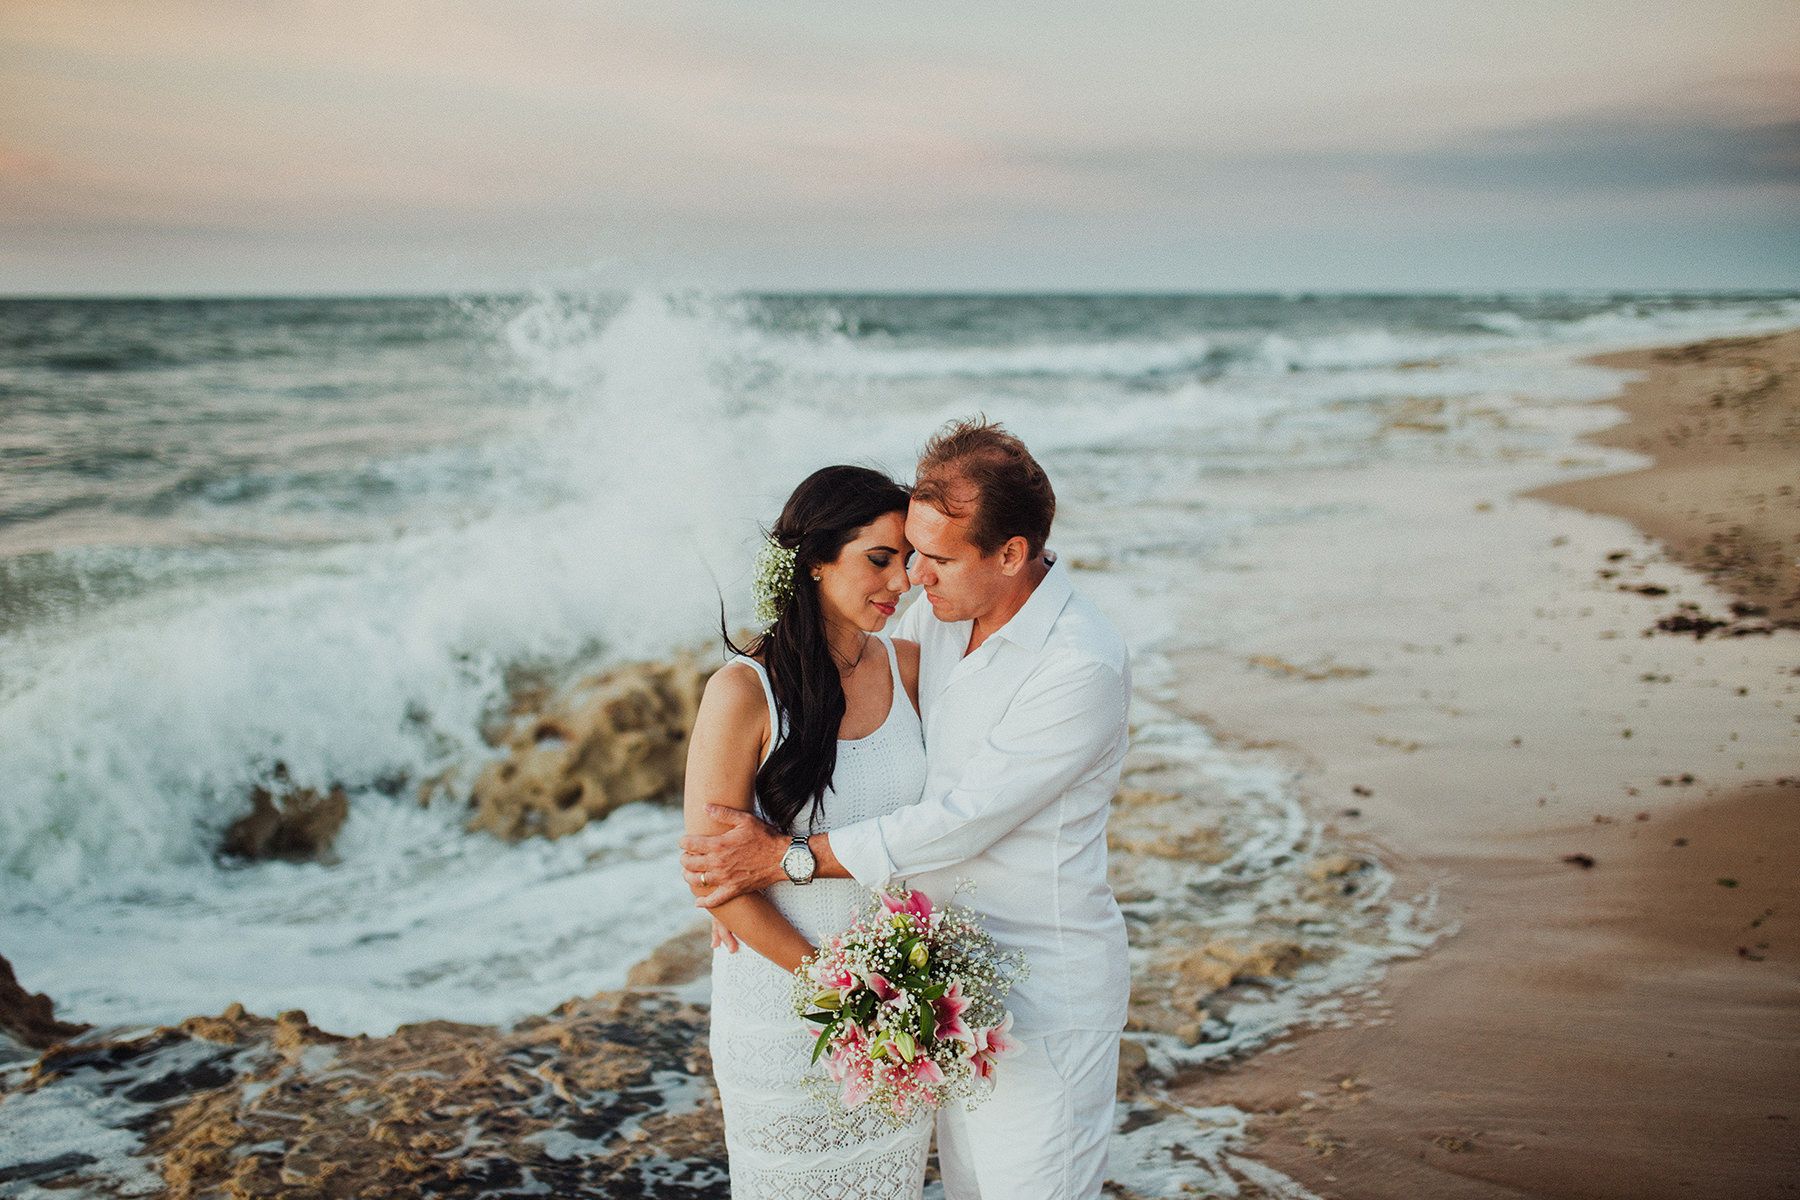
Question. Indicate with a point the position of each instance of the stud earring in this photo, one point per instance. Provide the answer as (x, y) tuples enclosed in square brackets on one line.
[(815, 577)]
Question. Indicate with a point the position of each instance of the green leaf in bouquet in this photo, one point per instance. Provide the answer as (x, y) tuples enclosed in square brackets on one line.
[(934, 991), (819, 1046), (926, 1024), (822, 1018)]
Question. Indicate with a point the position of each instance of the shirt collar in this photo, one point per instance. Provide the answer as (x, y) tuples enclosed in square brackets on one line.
[(1029, 628)]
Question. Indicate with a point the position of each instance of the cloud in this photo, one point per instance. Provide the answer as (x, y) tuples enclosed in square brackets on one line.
[(1600, 157), (1618, 154)]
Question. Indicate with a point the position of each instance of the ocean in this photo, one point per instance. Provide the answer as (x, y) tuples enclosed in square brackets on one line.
[(323, 537)]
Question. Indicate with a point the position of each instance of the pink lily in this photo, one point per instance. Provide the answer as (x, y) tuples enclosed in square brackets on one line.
[(832, 979), (884, 991), (839, 1064), (949, 1009), (916, 904), (834, 976), (849, 1053), (990, 1045), (927, 1073), (856, 1089), (999, 1039)]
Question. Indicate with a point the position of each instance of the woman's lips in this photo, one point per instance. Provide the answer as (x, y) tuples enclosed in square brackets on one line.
[(887, 610)]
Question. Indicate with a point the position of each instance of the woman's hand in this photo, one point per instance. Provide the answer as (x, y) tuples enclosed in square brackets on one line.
[(745, 858)]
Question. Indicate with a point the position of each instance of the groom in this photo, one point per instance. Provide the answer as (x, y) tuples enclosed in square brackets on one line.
[(1024, 687)]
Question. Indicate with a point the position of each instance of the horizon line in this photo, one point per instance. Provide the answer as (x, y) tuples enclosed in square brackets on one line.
[(1597, 291)]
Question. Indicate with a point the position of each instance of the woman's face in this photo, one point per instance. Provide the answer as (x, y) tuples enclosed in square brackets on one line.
[(861, 586)]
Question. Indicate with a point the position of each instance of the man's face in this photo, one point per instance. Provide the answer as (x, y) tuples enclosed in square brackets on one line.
[(960, 582)]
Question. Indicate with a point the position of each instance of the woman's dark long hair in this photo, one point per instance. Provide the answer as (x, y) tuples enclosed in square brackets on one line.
[(819, 520)]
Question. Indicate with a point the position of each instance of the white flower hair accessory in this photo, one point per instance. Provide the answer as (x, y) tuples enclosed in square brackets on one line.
[(774, 580)]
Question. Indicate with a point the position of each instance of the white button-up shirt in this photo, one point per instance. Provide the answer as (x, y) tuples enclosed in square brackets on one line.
[(1024, 739)]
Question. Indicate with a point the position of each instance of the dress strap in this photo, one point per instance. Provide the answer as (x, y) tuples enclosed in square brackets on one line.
[(777, 727), (901, 700)]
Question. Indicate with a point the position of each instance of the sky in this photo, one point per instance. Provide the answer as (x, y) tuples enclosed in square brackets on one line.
[(352, 146)]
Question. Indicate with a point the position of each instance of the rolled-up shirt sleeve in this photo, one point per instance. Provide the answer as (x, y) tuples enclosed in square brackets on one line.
[(1063, 723)]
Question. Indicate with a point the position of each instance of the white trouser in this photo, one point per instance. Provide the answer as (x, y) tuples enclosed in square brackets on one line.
[(1043, 1133)]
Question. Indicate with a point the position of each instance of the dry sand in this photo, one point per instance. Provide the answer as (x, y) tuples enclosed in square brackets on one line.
[(1482, 694)]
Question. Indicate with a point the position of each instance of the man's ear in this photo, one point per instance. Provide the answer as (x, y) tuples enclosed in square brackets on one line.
[(1014, 555)]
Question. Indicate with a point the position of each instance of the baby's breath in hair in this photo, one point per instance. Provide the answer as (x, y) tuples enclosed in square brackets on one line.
[(774, 580)]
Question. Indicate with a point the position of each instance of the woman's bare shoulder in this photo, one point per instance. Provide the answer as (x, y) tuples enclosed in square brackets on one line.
[(734, 697)]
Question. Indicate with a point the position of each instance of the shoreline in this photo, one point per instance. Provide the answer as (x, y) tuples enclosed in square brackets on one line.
[(1608, 810)]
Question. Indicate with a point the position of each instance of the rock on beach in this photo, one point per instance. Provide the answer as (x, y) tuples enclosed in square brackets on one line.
[(31, 1017), (573, 757), (607, 741), (301, 827), (607, 1096)]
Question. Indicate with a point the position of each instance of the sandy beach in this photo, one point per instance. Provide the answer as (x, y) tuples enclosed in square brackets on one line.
[(1523, 704)]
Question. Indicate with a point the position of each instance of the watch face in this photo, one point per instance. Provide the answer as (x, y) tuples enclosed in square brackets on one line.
[(798, 863)]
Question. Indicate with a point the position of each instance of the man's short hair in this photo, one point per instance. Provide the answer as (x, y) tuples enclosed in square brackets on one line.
[(974, 468)]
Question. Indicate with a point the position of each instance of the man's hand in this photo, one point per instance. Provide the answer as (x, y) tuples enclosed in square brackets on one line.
[(745, 858)]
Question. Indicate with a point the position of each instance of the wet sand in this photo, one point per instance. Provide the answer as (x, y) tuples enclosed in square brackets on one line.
[(1592, 1035), (1722, 421), (1476, 684)]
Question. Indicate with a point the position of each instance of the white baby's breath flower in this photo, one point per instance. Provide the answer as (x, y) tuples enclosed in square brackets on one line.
[(774, 580)]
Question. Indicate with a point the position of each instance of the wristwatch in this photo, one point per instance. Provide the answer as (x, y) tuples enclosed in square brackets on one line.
[(798, 862)]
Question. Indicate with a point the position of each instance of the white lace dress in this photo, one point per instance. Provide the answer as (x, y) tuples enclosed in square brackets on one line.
[(784, 1144)]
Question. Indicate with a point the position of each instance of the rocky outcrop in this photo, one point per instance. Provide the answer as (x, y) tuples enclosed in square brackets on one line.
[(1134, 1069), (609, 1096), (682, 959), (605, 1096), (1217, 965), (607, 741), (1140, 828), (30, 1017), (300, 826), (1171, 998)]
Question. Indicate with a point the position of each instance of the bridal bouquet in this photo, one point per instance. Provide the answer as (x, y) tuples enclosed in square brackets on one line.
[(911, 1003)]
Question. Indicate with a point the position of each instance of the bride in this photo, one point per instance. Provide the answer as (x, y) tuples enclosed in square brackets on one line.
[(813, 725)]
